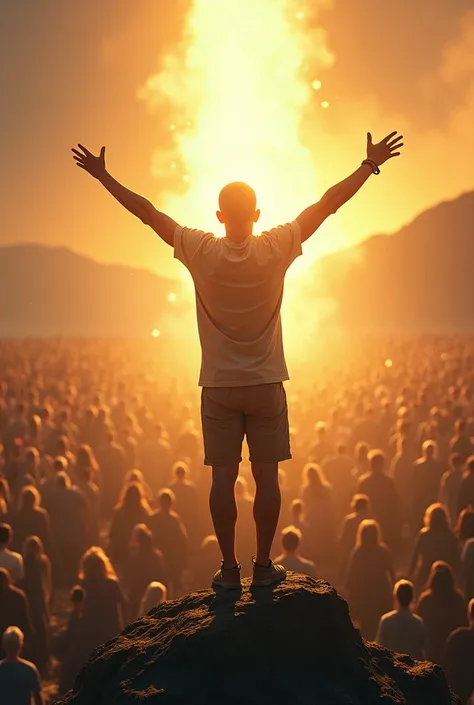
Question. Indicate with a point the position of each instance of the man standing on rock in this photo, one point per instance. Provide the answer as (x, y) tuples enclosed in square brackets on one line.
[(239, 290)]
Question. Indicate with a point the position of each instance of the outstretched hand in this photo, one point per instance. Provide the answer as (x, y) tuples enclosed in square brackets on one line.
[(95, 166), (386, 149)]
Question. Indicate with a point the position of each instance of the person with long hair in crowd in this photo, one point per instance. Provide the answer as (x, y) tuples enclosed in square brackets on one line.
[(435, 542), (442, 608), (37, 586), (370, 577), (132, 509), (104, 610)]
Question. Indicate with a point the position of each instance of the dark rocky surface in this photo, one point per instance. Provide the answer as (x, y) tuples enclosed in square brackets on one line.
[(291, 645)]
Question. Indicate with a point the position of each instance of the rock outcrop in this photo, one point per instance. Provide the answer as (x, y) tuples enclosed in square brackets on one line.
[(291, 645)]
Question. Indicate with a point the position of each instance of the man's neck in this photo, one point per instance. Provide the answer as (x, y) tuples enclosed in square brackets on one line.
[(238, 233), (12, 659)]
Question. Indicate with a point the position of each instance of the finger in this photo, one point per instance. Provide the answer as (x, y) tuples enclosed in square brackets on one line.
[(86, 151), (102, 152), (394, 142), (81, 165), (369, 138), (395, 154), (389, 137), (79, 159), (396, 146), (79, 154)]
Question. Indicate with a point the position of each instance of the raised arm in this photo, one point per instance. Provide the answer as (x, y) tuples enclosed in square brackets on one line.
[(335, 197), (141, 207)]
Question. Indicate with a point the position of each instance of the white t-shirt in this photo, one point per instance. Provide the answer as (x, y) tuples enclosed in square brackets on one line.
[(239, 290), (13, 562)]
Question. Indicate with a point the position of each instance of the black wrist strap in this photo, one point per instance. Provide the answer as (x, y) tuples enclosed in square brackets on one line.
[(373, 166)]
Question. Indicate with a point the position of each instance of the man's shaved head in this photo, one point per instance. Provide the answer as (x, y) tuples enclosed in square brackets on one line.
[(238, 203)]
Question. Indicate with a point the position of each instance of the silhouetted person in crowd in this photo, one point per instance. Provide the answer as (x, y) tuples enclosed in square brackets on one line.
[(91, 492), (426, 482), (37, 586), (155, 594), (383, 498), (170, 538), (458, 662), (370, 577), (321, 448), (156, 459), (367, 430), (64, 647), (31, 520), (461, 443), (239, 286), (4, 499), (19, 679), (10, 560), (113, 466), (442, 608), (67, 509), (144, 565), (402, 473), (401, 630), (204, 559), (85, 459), (347, 540), (466, 490), (104, 608), (320, 515), (451, 484), (14, 607), (361, 456), (186, 500), (338, 471), (465, 531), (291, 560), (435, 542), (132, 509)]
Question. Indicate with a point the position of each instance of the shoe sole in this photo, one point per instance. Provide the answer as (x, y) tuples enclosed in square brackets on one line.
[(268, 582)]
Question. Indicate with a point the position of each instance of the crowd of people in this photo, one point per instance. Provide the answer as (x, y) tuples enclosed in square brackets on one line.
[(104, 497)]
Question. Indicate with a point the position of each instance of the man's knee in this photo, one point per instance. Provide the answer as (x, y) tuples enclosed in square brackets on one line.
[(265, 473), (225, 475)]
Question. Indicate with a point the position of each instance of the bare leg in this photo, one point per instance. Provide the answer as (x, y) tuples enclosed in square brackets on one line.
[(266, 508), (224, 510)]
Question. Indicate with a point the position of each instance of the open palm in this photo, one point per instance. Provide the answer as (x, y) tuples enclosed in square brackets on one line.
[(95, 166), (385, 149)]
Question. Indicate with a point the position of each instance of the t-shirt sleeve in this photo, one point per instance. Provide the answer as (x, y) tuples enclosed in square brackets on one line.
[(285, 240), (188, 243)]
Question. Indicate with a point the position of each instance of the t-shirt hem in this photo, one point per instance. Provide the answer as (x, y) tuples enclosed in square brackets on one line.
[(244, 383)]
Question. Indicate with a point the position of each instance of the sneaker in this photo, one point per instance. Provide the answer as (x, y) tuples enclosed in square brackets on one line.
[(267, 575), (228, 578)]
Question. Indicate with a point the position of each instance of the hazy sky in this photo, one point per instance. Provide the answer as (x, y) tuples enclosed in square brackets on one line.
[(70, 71)]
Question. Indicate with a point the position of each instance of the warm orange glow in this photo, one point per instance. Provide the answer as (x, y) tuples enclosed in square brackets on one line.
[(155, 333), (388, 363), (171, 297), (239, 98)]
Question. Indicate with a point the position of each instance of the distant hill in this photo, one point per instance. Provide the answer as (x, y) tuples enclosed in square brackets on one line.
[(419, 279), (53, 291)]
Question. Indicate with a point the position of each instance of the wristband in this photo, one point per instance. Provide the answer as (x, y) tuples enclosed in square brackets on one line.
[(373, 166)]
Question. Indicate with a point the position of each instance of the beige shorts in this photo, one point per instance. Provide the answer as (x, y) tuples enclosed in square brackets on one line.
[(260, 413)]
